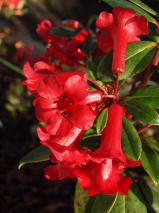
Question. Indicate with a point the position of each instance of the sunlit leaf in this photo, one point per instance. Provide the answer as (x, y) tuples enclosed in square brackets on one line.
[(145, 7), (102, 121), (143, 112), (39, 154), (147, 95), (150, 162), (131, 143)]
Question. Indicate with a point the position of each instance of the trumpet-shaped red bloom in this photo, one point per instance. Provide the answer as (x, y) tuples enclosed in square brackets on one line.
[(102, 175), (70, 55), (103, 178), (65, 106), (121, 27)]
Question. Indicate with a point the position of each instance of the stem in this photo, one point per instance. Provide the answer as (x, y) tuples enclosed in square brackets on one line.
[(144, 128), (11, 66), (97, 85), (150, 69), (116, 85), (110, 96)]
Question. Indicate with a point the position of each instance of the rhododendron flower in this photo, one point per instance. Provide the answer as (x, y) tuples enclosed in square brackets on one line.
[(58, 171), (103, 178), (121, 27), (102, 175), (41, 70), (65, 148), (70, 55), (110, 146), (45, 27), (65, 106)]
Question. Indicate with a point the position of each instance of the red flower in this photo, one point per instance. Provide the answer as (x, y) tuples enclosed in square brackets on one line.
[(65, 106), (42, 70), (37, 73), (122, 27), (58, 171), (70, 55), (66, 149), (103, 178), (102, 175), (45, 27), (110, 146)]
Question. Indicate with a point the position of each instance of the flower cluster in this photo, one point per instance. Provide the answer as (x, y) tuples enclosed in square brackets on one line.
[(66, 104)]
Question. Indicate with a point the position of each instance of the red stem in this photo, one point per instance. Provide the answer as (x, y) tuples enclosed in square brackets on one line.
[(97, 85), (144, 128)]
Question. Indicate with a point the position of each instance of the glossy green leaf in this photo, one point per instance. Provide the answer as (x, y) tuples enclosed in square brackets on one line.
[(142, 112), (138, 55), (131, 143), (81, 199), (151, 194), (100, 203), (147, 95), (153, 33), (150, 162), (90, 132), (102, 121), (131, 203), (39, 154), (145, 7), (91, 142), (64, 32), (126, 4)]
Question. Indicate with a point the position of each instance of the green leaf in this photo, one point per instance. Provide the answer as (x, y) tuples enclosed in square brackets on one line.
[(131, 143), (102, 121), (39, 154), (152, 143), (81, 199), (138, 55), (153, 33), (142, 112), (150, 193), (145, 7), (90, 46), (150, 162), (131, 203), (125, 4), (147, 95), (91, 142), (64, 32), (100, 203)]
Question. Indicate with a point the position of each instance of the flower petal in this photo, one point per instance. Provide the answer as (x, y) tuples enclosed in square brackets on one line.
[(49, 87)]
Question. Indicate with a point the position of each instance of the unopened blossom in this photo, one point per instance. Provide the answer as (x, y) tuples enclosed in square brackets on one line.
[(121, 27), (71, 54), (63, 106), (45, 27)]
